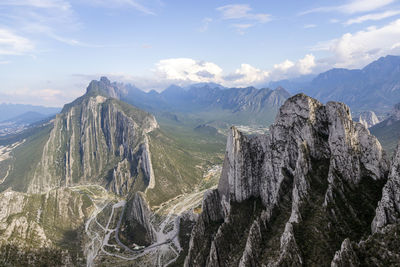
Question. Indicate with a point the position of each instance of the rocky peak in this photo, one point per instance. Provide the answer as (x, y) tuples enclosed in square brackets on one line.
[(368, 119), (105, 88), (283, 91), (316, 173), (136, 225), (97, 139), (105, 80)]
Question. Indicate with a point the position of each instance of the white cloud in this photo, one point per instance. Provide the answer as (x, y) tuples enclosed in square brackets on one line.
[(357, 49), (284, 66), (289, 69), (38, 18), (354, 6), (183, 71), (205, 23), (306, 64), (309, 26), (36, 95), (246, 75), (187, 69), (243, 11), (242, 27), (13, 44), (123, 3), (373, 17), (58, 4)]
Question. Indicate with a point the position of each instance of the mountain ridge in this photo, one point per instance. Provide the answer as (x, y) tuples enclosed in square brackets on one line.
[(375, 87), (280, 198)]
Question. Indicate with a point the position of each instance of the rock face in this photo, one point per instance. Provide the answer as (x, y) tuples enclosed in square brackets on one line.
[(136, 225), (382, 247), (96, 139), (368, 119), (292, 197), (388, 210), (44, 222)]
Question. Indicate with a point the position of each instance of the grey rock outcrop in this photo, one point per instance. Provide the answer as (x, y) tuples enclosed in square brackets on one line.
[(136, 225), (382, 247), (368, 119), (96, 139), (388, 210), (35, 222), (312, 182), (345, 257), (211, 217)]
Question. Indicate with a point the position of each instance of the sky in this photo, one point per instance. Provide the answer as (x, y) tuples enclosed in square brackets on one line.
[(51, 49)]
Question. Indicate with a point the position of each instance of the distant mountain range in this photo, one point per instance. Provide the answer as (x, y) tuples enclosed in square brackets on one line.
[(27, 118), (376, 87), (11, 111), (105, 184), (60, 179), (209, 101), (21, 122)]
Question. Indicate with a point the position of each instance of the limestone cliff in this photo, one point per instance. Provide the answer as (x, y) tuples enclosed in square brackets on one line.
[(136, 225), (368, 119), (293, 196), (388, 210), (96, 139), (51, 221), (382, 247)]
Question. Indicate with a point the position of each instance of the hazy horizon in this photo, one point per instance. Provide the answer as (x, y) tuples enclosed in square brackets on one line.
[(51, 49)]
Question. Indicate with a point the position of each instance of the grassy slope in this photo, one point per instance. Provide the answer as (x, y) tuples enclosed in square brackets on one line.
[(180, 156), (25, 157), (266, 117)]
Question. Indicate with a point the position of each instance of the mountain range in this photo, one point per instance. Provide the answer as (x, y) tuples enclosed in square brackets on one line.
[(375, 87), (10, 111), (97, 156), (128, 178), (210, 102)]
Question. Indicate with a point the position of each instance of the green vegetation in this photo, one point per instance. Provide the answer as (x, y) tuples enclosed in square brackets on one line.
[(234, 234), (177, 170), (185, 228), (381, 249), (12, 255), (322, 229), (25, 159)]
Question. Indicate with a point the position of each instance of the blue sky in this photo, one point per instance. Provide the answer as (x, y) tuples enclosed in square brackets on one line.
[(51, 49)]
